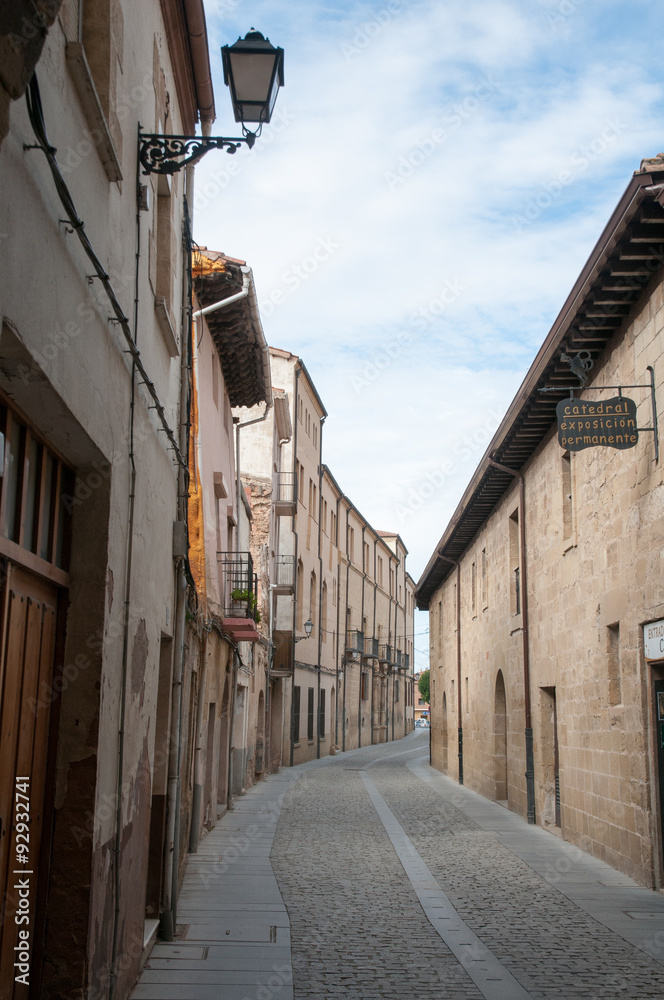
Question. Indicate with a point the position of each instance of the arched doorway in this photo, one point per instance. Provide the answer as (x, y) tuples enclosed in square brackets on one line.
[(500, 739)]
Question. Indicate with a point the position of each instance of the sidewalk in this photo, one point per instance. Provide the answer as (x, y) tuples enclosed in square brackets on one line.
[(233, 928)]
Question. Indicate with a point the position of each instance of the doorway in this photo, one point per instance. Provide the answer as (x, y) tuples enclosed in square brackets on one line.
[(551, 812), (159, 782), (659, 734), (500, 739), (29, 629)]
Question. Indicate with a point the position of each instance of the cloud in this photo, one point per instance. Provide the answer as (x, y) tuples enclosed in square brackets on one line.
[(459, 161)]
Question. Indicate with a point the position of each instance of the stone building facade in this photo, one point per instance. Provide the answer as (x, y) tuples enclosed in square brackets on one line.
[(349, 682), (94, 353), (546, 585), (227, 642)]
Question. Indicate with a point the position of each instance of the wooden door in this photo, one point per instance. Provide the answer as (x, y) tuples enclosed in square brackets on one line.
[(28, 636)]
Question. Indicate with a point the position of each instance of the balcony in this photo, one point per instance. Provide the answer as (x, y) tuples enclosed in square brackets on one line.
[(282, 659), (238, 587), (405, 661), (354, 641), (370, 649), (285, 494), (284, 575), (387, 654)]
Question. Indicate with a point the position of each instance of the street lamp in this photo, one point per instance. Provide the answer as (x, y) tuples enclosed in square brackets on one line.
[(254, 71), (308, 628)]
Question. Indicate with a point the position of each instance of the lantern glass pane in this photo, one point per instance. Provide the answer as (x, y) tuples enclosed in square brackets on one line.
[(252, 76)]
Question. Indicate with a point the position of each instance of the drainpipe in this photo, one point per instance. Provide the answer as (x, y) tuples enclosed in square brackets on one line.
[(170, 892), (298, 583), (171, 865), (530, 761), (336, 692), (320, 564), (458, 630), (359, 721)]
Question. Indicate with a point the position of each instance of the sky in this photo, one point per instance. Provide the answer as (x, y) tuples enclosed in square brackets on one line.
[(435, 175)]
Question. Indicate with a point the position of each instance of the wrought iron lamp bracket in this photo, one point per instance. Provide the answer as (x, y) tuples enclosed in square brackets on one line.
[(167, 154)]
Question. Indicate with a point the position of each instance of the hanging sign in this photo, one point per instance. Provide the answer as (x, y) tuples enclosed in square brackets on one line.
[(653, 641), (585, 424)]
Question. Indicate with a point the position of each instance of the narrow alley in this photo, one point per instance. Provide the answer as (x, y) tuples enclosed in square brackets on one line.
[(371, 875)]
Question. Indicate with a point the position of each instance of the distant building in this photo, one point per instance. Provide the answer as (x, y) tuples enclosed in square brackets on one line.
[(545, 594), (422, 707), (348, 683), (227, 643)]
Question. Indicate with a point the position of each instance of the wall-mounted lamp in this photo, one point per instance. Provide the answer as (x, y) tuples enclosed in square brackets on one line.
[(308, 628), (254, 72)]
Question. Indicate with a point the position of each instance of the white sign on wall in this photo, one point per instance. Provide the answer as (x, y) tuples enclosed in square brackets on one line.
[(653, 640)]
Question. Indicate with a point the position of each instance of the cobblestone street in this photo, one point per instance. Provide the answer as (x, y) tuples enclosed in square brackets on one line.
[(358, 929), (372, 875)]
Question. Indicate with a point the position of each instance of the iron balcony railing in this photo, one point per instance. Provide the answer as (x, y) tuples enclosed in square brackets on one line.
[(354, 641), (370, 647), (397, 657), (284, 571), (238, 584), (387, 654), (285, 488)]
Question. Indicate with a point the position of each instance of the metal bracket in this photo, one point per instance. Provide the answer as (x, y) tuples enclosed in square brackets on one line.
[(166, 154), (605, 388)]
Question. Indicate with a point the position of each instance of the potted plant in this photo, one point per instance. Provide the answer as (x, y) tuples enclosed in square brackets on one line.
[(246, 597)]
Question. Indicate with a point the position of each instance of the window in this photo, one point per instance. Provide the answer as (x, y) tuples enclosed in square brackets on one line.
[(396, 690), (94, 53), (515, 564), (333, 527), (485, 586), (323, 617), (310, 715), (321, 715), (613, 660), (215, 378), (379, 571), (296, 715), (365, 557), (473, 590), (299, 596), (391, 581), (312, 599), (37, 493), (364, 686), (351, 544)]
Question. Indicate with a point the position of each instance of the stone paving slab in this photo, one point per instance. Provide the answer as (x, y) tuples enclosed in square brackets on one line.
[(234, 932)]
